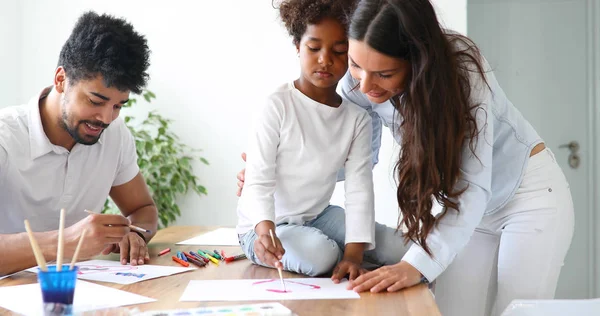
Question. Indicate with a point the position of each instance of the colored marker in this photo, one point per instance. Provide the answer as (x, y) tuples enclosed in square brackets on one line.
[(181, 262), (211, 258), (234, 258), (139, 229), (216, 255), (193, 260), (183, 257), (202, 254), (215, 261), (164, 251), (222, 255), (202, 257), (199, 257)]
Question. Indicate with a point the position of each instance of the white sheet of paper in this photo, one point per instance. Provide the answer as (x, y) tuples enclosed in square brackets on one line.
[(260, 290), (27, 299), (4, 277), (263, 309), (217, 237), (115, 272), (553, 307)]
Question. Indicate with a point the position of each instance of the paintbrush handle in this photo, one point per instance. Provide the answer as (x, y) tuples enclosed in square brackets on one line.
[(76, 254), (39, 256), (278, 269), (61, 243)]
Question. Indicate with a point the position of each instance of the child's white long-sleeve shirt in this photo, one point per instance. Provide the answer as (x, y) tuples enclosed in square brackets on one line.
[(296, 148)]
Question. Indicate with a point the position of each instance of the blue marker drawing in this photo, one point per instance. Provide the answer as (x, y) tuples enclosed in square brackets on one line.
[(141, 275)]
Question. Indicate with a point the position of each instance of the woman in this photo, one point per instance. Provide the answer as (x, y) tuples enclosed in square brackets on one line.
[(463, 143)]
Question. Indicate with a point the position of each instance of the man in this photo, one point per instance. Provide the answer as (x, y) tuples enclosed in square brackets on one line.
[(67, 149)]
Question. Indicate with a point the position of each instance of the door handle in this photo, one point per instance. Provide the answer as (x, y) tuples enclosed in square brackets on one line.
[(572, 146), (574, 159)]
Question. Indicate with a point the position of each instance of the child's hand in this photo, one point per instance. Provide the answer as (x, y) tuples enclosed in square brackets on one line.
[(266, 252), (350, 265), (263, 245), (347, 267)]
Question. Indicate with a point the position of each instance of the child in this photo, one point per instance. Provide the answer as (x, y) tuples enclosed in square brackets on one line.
[(303, 136)]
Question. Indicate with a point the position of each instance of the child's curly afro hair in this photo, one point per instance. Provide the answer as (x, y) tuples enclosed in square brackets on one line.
[(298, 14)]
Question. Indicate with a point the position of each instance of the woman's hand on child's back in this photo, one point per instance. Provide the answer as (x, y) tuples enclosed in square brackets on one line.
[(263, 245), (240, 176)]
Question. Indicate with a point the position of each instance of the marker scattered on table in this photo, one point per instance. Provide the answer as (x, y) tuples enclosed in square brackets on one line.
[(209, 257), (199, 257), (194, 260), (162, 252), (234, 258), (182, 256), (181, 262), (216, 255)]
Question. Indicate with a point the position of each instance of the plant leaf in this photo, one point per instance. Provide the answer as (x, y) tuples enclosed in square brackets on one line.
[(164, 161)]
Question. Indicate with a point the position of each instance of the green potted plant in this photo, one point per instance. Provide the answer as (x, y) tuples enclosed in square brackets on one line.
[(164, 161)]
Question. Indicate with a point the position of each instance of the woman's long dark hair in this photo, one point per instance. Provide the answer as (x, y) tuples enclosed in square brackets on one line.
[(438, 116)]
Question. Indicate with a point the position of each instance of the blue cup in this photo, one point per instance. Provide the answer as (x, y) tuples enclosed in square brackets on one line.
[(58, 290)]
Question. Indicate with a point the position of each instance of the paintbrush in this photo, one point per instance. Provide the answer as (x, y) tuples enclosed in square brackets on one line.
[(39, 257), (61, 242), (76, 254), (278, 269)]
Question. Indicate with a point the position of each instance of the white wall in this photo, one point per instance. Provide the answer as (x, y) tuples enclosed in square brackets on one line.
[(213, 62), (9, 52)]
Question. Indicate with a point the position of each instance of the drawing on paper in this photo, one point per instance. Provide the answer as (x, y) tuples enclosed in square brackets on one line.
[(93, 269), (304, 285), (137, 275)]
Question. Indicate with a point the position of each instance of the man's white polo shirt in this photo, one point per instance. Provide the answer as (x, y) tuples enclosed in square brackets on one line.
[(38, 178)]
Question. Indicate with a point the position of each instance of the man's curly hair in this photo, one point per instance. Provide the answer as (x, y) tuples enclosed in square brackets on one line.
[(298, 14), (107, 46)]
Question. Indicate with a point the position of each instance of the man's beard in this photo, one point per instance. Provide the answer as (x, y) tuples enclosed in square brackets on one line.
[(76, 134)]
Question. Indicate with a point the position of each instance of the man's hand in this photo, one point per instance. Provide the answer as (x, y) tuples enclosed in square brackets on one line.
[(240, 176), (133, 249), (102, 231)]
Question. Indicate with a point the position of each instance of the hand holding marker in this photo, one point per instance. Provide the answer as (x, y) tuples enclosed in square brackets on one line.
[(132, 227)]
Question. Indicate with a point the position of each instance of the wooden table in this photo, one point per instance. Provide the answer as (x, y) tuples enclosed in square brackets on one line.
[(417, 300)]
